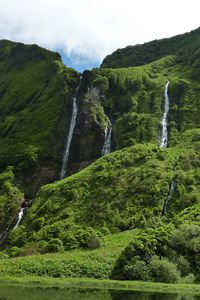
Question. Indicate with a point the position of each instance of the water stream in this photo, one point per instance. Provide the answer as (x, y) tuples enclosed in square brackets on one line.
[(169, 196), (70, 134), (164, 131), (19, 217), (107, 142), (164, 143), (14, 225)]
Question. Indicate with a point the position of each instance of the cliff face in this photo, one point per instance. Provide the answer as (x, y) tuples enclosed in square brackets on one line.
[(129, 99), (35, 104), (89, 133), (132, 99)]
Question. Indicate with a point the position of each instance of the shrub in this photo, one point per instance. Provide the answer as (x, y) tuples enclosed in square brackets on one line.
[(29, 249), (69, 240), (183, 265), (190, 278), (43, 246), (162, 270), (136, 269), (104, 231), (3, 255), (55, 245), (18, 237), (14, 251), (89, 238)]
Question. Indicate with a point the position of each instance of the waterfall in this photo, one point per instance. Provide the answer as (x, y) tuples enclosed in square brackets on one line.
[(19, 217), (14, 225), (169, 196), (70, 134), (164, 144), (107, 141), (164, 133)]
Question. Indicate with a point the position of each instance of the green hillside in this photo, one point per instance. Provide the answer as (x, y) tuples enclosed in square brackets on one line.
[(35, 100), (124, 198), (10, 200), (184, 46)]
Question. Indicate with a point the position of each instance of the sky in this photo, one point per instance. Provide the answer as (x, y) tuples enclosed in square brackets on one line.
[(85, 31)]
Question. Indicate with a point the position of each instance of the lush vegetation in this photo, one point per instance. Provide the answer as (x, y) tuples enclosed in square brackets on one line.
[(116, 218), (164, 254), (82, 210), (91, 263), (130, 97), (10, 200), (185, 47), (34, 288), (35, 93)]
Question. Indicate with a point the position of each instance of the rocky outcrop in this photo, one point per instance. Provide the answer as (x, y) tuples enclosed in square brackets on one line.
[(89, 132)]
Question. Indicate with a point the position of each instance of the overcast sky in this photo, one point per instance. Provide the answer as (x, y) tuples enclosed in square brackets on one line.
[(85, 31)]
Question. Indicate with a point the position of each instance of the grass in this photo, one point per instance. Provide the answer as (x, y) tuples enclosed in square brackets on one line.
[(101, 284), (96, 263)]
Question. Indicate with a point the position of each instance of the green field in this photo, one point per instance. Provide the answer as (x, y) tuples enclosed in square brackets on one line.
[(193, 289), (96, 263)]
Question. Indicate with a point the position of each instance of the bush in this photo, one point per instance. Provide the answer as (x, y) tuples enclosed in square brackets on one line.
[(136, 269), (183, 265), (104, 231), (70, 241), (37, 224), (29, 249), (3, 255), (190, 278), (89, 238), (43, 246), (55, 245), (14, 251), (18, 237), (162, 270)]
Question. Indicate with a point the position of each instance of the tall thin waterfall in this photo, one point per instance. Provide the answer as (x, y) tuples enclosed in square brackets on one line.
[(164, 144), (70, 134), (164, 132), (19, 217), (13, 226), (169, 196), (107, 142)]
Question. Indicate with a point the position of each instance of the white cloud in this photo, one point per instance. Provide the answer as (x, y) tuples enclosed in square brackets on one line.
[(95, 28)]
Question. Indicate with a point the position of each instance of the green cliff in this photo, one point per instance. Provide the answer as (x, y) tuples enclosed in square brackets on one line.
[(126, 193), (35, 105)]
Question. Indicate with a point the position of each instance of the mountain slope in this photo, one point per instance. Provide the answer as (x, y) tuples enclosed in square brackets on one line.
[(184, 46), (35, 103), (124, 190), (131, 187)]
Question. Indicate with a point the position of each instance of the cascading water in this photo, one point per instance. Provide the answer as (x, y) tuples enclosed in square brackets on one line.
[(169, 196), (70, 134), (17, 220), (19, 217), (164, 132), (164, 144), (107, 142)]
